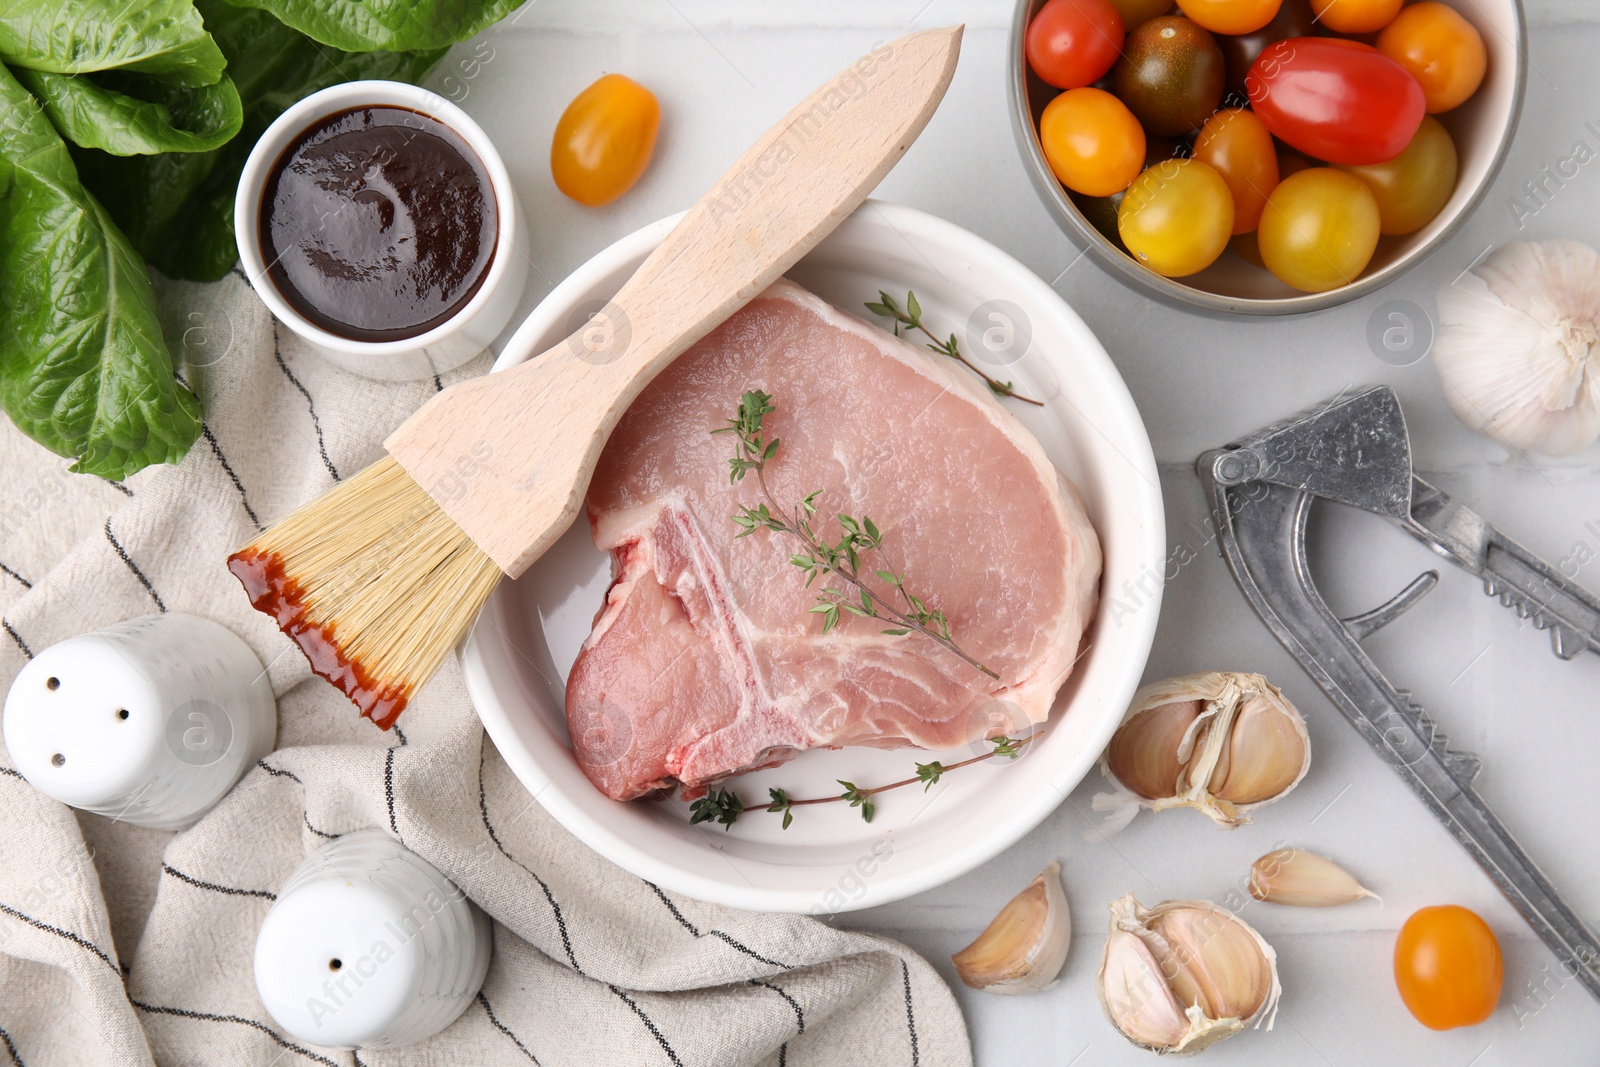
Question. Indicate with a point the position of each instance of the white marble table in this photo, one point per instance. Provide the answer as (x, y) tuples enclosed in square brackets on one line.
[(725, 69)]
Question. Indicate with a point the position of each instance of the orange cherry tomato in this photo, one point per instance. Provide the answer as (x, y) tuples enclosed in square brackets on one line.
[(1448, 967), (1442, 51), (604, 139), (1356, 16), (1231, 16), (1176, 217), (1414, 186), (1092, 141), (1237, 146)]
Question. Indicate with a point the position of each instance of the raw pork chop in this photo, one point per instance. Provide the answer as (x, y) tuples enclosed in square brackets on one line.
[(704, 661)]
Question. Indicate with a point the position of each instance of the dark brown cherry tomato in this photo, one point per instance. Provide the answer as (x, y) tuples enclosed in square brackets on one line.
[(1134, 12), (1072, 43), (1170, 75), (1335, 100), (1294, 19)]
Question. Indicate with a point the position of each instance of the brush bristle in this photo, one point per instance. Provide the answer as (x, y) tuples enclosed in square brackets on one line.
[(374, 582)]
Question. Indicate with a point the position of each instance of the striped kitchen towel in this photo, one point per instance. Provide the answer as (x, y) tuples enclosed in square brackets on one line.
[(120, 945)]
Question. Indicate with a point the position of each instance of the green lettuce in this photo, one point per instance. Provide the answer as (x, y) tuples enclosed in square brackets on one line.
[(136, 114), (76, 36), (369, 25), (83, 367)]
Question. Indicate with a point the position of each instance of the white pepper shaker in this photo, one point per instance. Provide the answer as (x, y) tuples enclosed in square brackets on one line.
[(370, 946), (150, 721)]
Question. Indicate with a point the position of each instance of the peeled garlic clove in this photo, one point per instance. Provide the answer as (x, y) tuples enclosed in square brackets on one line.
[(1185, 974), (1024, 947), (1303, 879), (1518, 350), (1219, 741)]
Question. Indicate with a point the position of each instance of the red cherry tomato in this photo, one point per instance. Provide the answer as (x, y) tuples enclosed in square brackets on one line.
[(1072, 43), (1335, 100)]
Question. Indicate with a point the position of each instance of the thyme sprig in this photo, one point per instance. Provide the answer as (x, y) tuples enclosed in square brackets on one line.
[(724, 806), (910, 318), (840, 559)]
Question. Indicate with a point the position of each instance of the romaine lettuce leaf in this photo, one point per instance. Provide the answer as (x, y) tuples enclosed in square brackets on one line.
[(83, 367)]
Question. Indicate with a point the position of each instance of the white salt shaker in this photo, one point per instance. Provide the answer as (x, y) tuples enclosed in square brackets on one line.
[(150, 721), (369, 946)]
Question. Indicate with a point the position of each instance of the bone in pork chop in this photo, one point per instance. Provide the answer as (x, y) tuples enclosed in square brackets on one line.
[(704, 661)]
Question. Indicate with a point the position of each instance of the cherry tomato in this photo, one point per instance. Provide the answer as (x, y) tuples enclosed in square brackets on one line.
[(1231, 16), (1236, 144), (604, 139), (1294, 19), (1176, 217), (1291, 162), (1319, 229), (1072, 43), (1448, 967), (1442, 51), (1414, 186), (1092, 141), (1134, 12), (1335, 100), (1247, 248), (1170, 75), (1356, 16)]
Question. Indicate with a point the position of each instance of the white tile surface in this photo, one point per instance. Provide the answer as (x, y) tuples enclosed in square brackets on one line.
[(726, 69)]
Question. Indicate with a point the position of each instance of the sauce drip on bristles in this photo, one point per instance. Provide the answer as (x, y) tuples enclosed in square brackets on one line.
[(374, 582)]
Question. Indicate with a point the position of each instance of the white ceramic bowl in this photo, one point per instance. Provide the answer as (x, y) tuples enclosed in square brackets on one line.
[(830, 860), (451, 343)]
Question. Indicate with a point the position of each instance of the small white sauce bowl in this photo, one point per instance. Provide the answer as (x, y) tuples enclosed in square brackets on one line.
[(448, 345)]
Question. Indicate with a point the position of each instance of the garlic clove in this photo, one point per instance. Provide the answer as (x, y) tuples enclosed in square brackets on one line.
[(1265, 755), (1213, 962), (1185, 974), (1222, 742), (1024, 947), (1144, 753), (1518, 350), (1135, 995), (1303, 879)]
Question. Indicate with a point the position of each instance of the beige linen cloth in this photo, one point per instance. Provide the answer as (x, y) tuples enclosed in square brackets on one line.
[(120, 945)]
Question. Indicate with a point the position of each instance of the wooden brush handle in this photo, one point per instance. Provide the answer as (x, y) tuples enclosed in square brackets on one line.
[(509, 456)]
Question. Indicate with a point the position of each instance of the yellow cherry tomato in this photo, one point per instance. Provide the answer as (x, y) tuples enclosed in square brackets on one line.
[(1231, 16), (1092, 141), (1448, 967), (1319, 229), (1414, 186), (604, 139), (1236, 144), (1176, 217), (1442, 51), (1356, 16)]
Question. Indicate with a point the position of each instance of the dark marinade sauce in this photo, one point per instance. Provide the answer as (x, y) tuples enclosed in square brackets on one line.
[(378, 223)]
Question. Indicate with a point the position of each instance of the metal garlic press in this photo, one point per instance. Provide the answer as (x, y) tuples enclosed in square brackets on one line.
[(1355, 450)]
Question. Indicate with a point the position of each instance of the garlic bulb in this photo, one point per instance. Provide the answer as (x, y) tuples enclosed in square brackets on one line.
[(1185, 974), (1218, 741), (1023, 948), (1519, 346), (1303, 879)]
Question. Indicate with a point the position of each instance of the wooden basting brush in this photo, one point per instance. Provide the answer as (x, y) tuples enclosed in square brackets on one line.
[(379, 578)]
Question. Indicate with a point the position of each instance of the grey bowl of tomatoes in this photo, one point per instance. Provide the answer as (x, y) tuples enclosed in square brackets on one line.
[(1264, 157)]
